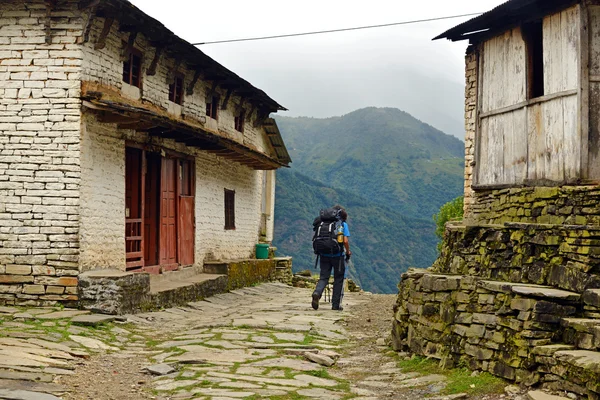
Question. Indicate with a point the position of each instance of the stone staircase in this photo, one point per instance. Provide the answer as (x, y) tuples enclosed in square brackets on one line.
[(535, 335)]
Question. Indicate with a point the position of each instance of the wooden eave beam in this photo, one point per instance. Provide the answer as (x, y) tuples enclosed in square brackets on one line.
[(190, 88), (101, 43), (129, 46), (151, 71), (91, 9), (226, 99)]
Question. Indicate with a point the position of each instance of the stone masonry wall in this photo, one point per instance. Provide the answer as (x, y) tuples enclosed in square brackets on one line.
[(103, 199), (486, 325), (39, 152), (471, 62), (562, 256), (105, 66), (102, 230), (573, 205)]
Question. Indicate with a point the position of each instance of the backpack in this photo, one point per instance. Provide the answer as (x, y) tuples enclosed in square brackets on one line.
[(326, 227)]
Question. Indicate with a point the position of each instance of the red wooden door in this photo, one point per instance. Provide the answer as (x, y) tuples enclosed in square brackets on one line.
[(151, 214), (168, 214), (186, 230)]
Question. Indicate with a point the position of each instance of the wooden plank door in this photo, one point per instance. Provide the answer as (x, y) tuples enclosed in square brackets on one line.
[(134, 229), (168, 215), (151, 212), (187, 235)]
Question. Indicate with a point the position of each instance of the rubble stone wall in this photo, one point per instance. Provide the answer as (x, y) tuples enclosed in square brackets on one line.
[(563, 256), (573, 205), (471, 74), (39, 151), (478, 323)]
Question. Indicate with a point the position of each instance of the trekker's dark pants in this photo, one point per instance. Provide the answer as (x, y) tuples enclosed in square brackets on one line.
[(339, 270)]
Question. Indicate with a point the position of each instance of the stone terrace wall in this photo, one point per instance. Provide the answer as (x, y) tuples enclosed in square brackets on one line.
[(39, 152), (567, 257), (482, 324), (575, 205)]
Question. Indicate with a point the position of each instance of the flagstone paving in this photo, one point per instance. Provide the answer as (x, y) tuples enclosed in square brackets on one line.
[(258, 342)]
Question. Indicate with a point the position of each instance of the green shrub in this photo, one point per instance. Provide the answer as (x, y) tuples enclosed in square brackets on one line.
[(451, 211)]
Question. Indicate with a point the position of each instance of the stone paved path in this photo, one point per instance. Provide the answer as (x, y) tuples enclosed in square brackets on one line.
[(258, 342)]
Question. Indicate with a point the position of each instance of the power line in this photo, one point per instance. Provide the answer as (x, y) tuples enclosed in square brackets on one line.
[(334, 30)]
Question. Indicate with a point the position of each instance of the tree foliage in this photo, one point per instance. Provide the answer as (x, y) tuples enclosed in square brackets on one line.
[(451, 211)]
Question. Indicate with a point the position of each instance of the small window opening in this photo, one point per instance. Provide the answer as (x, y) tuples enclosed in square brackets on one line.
[(239, 121), (212, 107), (132, 69), (534, 40), (176, 90), (229, 209)]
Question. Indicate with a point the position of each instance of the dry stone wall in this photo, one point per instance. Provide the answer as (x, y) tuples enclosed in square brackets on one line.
[(574, 205), (39, 152)]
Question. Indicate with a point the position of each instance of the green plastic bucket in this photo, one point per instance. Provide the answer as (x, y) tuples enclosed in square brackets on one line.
[(262, 251)]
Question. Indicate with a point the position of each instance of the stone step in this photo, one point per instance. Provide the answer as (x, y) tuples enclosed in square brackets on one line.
[(539, 395), (576, 371), (170, 293), (584, 333)]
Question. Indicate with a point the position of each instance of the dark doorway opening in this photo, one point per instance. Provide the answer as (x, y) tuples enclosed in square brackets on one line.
[(159, 214)]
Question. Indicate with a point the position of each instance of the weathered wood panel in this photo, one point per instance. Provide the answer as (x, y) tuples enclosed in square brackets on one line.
[(553, 128), (572, 139), (515, 147), (537, 143), (561, 48), (504, 71)]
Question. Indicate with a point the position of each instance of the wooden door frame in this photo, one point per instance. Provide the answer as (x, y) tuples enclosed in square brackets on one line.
[(192, 178)]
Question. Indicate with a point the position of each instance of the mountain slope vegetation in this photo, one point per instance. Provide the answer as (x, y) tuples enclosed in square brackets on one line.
[(392, 173)]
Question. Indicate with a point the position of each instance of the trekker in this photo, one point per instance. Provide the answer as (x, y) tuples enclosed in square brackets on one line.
[(334, 261)]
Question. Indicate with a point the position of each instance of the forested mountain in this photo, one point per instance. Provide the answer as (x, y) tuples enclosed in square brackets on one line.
[(390, 171)]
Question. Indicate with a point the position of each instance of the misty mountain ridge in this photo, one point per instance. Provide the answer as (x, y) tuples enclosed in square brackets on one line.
[(391, 172)]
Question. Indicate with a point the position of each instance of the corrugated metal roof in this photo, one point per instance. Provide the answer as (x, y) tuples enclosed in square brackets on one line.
[(503, 17)]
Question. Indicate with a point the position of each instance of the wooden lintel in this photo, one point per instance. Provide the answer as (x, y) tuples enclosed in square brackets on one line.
[(190, 88), (101, 43), (138, 126), (128, 47), (151, 71), (112, 118)]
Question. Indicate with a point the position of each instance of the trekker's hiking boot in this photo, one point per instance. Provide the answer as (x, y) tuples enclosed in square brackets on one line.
[(315, 301), (338, 308)]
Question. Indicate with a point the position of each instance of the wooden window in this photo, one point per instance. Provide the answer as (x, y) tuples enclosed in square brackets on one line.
[(176, 90), (229, 209), (132, 69), (212, 107), (239, 121), (534, 41)]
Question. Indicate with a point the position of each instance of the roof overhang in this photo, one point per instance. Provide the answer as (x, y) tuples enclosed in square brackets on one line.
[(132, 19), (112, 108), (506, 16)]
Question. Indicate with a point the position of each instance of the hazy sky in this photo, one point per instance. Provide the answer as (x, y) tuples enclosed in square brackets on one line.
[(333, 74)]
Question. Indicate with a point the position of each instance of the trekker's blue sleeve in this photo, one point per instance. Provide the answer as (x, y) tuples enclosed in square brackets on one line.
[(346, 230)]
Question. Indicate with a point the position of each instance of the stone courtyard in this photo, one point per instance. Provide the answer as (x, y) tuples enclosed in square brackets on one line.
[(257, 342)]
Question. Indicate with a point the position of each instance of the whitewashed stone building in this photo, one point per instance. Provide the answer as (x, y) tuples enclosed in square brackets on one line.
[(122, 147)]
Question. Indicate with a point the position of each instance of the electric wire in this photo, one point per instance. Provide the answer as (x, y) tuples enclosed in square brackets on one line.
[(334, 30)]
